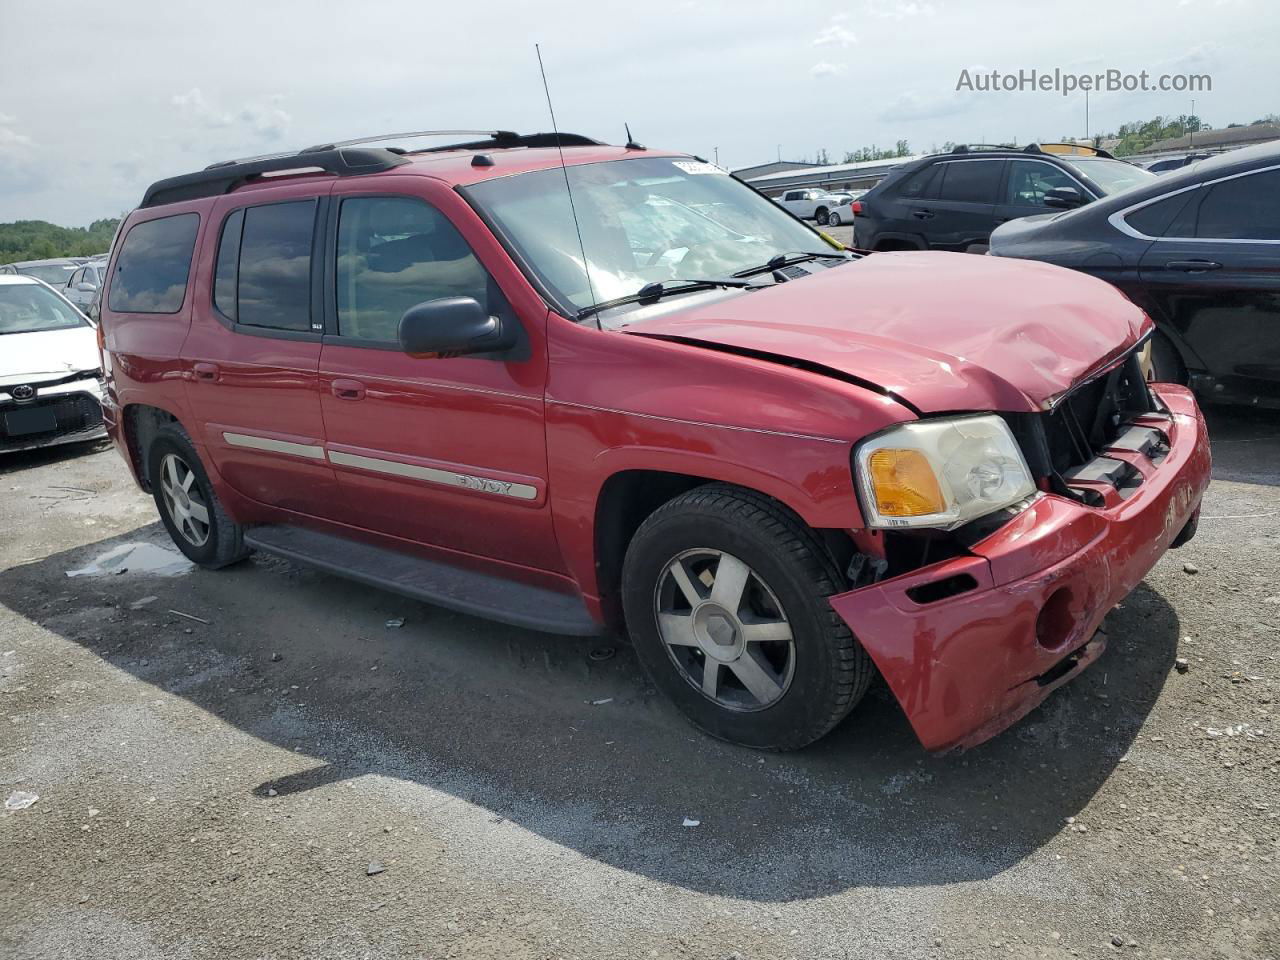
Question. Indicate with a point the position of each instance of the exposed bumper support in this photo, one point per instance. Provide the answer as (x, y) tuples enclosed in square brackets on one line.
[(1025, 613)]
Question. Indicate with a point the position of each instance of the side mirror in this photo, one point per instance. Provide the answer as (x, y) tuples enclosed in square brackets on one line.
[(1063, 198), (84, 286), (452, 325)]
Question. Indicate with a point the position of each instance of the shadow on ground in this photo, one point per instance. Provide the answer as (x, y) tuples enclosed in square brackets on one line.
[(1246, 444), (510, 720)]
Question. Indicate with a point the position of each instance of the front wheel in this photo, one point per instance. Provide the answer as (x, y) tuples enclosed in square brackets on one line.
[(725, 594), (833, 219)]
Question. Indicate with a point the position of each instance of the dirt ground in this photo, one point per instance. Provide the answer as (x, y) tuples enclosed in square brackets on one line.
[(289, 776)]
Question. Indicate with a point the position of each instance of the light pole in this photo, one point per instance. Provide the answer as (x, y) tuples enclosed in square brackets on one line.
[(1191, 124)]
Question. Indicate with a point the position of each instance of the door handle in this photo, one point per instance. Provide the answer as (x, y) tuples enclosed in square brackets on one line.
[(1193, 266), (347, 389), (205, 371), (922, 214)]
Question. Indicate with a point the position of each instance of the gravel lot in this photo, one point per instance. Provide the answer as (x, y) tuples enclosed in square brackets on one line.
[(288, 776)]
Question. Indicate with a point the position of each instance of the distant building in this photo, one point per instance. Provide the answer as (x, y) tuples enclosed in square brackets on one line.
[(776, 166), (1228, 138), (834, 177)]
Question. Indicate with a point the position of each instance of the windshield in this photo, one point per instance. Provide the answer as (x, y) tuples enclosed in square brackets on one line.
[(643, 220), (54, 274), (30, 308), (1111, 175)]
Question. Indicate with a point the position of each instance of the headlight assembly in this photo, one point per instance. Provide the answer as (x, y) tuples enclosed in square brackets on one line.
[(941, 473)]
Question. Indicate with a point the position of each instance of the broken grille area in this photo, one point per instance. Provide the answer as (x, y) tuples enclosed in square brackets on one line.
[(1069, 443)]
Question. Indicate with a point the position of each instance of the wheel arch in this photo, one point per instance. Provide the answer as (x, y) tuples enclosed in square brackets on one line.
[(629, 496), (140, 423)]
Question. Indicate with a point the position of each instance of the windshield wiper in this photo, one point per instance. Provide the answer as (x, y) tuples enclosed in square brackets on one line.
[(798, 256), (653, 292)]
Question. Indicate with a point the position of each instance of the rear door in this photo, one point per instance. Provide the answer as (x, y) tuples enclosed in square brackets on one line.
[(1214, 277), (251, 358), (962, 216)]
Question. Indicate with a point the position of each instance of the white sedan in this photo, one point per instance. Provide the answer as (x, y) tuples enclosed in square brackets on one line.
[(842, 212), (50, 368)]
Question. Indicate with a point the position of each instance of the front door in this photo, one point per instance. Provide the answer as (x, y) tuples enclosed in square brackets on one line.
[(1027, 183), (1215, 279), (447, 451)]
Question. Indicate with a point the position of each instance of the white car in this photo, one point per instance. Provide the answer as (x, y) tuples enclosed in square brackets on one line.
[(807, 203), (50, 368), (841, 208), (85, 283)]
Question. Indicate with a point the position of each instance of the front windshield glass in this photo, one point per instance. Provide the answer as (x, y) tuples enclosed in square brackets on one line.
[(643, 220), (30, 308), (54, 274), (1111, 175)]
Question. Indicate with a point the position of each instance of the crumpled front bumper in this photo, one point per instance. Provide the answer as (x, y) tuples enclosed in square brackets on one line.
[(1029, 599)]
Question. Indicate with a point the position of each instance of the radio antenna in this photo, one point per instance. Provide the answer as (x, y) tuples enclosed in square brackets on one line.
[(586, 267)]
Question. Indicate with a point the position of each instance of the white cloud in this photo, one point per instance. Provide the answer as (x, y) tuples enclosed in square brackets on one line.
[(824, 69), (910, 105), (262, 119), (900, 9), (835, 33)]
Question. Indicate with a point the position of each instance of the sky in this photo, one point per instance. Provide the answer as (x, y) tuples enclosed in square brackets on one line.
[(97, 100)]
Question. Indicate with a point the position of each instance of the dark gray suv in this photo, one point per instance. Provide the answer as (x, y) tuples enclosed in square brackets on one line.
[(953, 201)]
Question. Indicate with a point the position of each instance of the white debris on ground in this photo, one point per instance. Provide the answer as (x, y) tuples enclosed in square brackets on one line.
[(20, 800), (144, 558)]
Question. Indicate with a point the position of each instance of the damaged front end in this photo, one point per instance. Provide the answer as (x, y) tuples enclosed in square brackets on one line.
[(973, 627)]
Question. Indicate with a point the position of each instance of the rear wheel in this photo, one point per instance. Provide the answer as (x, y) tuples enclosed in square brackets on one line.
[(725, 594), (833, 219), (189, 508)]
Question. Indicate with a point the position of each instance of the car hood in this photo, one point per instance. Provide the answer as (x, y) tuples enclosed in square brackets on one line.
[(940, 331), (48, 354)]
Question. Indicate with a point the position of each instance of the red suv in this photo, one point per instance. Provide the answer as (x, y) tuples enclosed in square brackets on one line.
[(580, 387)]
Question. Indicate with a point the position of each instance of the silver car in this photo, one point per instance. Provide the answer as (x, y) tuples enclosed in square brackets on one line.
[(82, 287)]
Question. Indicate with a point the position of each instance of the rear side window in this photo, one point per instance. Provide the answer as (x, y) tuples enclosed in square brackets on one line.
[(970, 181), (394, 253), (263, 272), (153, 265), (1246, 208), (1167, 217)]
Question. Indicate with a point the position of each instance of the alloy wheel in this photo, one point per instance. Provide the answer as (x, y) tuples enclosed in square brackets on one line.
[(724, 629), (187, 506)]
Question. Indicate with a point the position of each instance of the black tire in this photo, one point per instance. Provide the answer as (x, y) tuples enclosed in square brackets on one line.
[(820, 215), (833, 219), (224, 543), (830, 670), (1166, 363)]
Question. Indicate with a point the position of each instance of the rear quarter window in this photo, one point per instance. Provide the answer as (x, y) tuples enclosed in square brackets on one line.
[(153, 265)]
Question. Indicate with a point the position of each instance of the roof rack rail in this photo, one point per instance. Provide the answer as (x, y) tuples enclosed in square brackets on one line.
[(1068, 150), (345, 158), (224, 177), (505, 138), (980, 147)]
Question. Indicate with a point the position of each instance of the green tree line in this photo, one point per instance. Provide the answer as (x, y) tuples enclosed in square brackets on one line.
[(40, 240)]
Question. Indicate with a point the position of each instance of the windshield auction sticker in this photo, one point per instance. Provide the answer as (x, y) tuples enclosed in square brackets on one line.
[(699, 166)]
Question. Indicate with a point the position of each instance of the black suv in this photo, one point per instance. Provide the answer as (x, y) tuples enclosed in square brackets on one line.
[(953, 201)]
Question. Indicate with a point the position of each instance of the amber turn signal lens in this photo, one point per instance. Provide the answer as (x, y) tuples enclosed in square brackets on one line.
[(904, 484)]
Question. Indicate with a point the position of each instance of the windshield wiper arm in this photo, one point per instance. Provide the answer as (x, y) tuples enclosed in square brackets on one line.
[(786, 259), (652, 292)]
